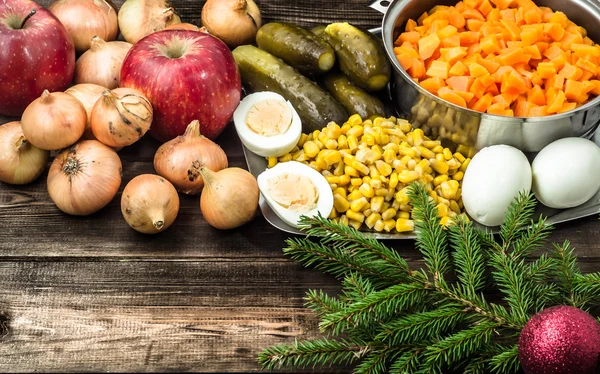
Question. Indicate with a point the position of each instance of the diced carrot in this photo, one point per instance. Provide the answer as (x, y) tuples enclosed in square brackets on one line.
[(473, 14), (433, 84), (447, 32), (512, 44), (584, 50), (536, 79), (468, 37), (428, 45), (504, 99), (508, 14), (422, 17), (557, 82), (468, 96), (410, 50), (490, 65), (596, 91), (489, 44), (582, 99), (536, 95), (526, 4), (554, 31), (543, 46), (447, 94), (554, 51), (546, 70), (410, 25), (474, 24), (561, 61), (456, 19), (483, 103), (532, 16), (493, 89), (587, 65), (474, 49), (588, 87), (485, 7), (494, 15), (538, 111), (476, 70), (514, 56), (438, 69), (586, 76), (496, 109), (405, 61), (574, 29), (458, 69), (451, 55), (502, 4), (409, 36), (534, 51), (478, 88), (471, 4), (557, 103), (588, 41), (567, 107), (569, 39), (417, 70), (530, 36), (451, 42), (499, 74), (460, 83), (560, 18), (438, 25), (512, 28), (571, 72), (513, 83), (523, 107), (421, 30), (520, 16), (573, 89)]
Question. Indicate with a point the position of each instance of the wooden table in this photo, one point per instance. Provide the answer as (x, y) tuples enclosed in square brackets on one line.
[(91, 294)]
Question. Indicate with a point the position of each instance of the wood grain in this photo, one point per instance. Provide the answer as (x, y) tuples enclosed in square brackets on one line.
[(81, 294)]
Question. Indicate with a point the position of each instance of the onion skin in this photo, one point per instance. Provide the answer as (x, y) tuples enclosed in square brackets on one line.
[(138, 18), (54, 121), (121, 117), (235, 22), (101, 64), (84, 19), (88, 94), (84, 178), (179, 160), (183, 26), (229, 198), (20, 161), (149, 204)]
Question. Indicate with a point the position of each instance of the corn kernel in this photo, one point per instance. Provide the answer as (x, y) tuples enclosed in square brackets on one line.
[(407, 152), (383, 168), (418, 137), (354, 120), (342, 142), (333, 130), (361, 167), (425, 153), (272, 161), (350, 171), (369, 139), (333, 157), (445, 221), (412, 164), (407, 176), (439, 180), (404, 215), (453, 164), (378, 226), (431, 144), (314, 165), (437, 149), (340, 191), (389, 213), (322, 137), (372, 219), (447, 154), (299, 156), (441, 167), (376, 183), (367, 190), (442, 210), (373, 172), (393, 180), (285, 158), (389, 155), (404, 225), (331, 144), (333, 179), (381, 192), (465, 164), (352, 142), (355, 224), (358, 204), (356, 182), (344, 180), (406, 208), (310, 149), (458, 176), (377, 203), (404, 125), (367, 156), (355, 216), (454, 207), (459, 156), (402, 197), (367, 212), (389, 225), (333, 214), (340, 203)]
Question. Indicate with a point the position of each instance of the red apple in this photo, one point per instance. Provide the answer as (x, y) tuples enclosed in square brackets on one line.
[(36, 54), (186, 75)]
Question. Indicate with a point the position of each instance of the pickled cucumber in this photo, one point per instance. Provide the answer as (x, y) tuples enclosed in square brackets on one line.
[(261, 71), (361, 56), (297, 46), (352, 98)]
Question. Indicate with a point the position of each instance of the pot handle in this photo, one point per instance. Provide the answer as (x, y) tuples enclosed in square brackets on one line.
[(380, 5)]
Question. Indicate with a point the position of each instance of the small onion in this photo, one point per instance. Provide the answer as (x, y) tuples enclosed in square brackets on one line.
[(149, 204), (54, 121), (88, 94), (138, 18), (20, 161), (229, 198), (235, 22), (179, 160), (84, 19), (84, 178), (121, 117), (101, 64)]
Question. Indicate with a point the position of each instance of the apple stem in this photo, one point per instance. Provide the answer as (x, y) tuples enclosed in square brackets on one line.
[(33, 11)]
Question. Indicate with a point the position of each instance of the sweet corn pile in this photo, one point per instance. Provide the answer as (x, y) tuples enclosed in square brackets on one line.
[(369, 166)]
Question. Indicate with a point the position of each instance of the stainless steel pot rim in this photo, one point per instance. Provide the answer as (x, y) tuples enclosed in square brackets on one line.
[(386, 31)]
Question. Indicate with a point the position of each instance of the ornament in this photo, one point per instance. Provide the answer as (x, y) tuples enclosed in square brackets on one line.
[(560, 340)]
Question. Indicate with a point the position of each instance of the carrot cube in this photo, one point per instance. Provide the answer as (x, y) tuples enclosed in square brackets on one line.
[(587, 66), (468, 96), (489, 44), (474, 24), (571, 72), (573, 89), (490, 65), (546, 70), (513, 83), (478, 88), (405, 61), (485, 7), (554, 31), (569, 39), (504, 99), (473, 14), (582, 99), (536, 95), (410, 25), (468, 37), (409, 36), (534, 51), (557, 82), (538, 111), (428, 45), (557, 103), (502, 4), (560, 18), (584, 50), (567, 107), (447, 32), (439, 69), (471, 4), (417, 70), (451, 42), (530, 36), (512, 28), (456, 19), (476, 70), (433, 84), (447, 94), (496, 109), (451, 55), (493, 89), (483, 103), (458, 69), (533, 16), (460, 83), (554, 51), (523, 107)]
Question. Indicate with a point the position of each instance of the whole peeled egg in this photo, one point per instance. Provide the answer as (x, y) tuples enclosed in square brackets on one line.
[(566, 173), (267, 124), (494, 178)]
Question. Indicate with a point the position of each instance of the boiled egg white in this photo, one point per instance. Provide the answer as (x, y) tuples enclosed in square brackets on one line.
[(494, 178), (293, 189), (566, 173), (267, 124)]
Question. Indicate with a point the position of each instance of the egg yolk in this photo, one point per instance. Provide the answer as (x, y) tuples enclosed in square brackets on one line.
[(294, 192), (269, 117)]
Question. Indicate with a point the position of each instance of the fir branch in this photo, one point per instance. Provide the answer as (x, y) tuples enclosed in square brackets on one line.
[(506, 361), (468, 257), (543, 291), (431, 237), (460, 345), (308, 353), (415, 328), (509, 274), (383, 304), (356, 288), (519, 215), (587, 288), (408, 362), (532, 239), (476, 365), (567, 272), (377, 362), (321, 303)]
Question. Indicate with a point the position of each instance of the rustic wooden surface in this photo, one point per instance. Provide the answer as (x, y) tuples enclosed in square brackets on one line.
[(90, 294)]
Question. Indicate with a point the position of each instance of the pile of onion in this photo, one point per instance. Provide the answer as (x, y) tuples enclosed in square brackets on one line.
[(121, 117), (180, 160), (138, 18), (101, 64), (54, 121), (84, 178), (88, 94), (235, 22), (84, 19), (149, 204), (20, 161)]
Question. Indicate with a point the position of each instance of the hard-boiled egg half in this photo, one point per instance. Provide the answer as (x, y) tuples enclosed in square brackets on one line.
[(293, 189), (267, 124)]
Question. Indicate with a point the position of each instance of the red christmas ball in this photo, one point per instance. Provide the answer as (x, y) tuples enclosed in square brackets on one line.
[(560, 340)]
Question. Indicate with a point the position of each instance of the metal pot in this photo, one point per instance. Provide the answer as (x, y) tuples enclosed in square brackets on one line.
[(439, 118)]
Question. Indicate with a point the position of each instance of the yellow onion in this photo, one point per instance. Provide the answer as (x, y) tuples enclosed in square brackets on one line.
[(84, 178), (138, 18), (121, 117), (54, 121), (149, 204), (179, 160), (229, 198), (87, 94), (84, 19), (101, 64), (20, 161), (235, 22)]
